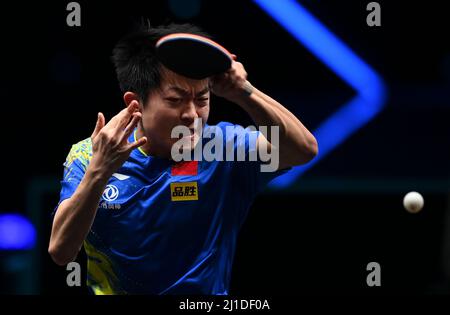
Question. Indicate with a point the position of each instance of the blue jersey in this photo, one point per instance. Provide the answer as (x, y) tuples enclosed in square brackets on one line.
[(164, 227)]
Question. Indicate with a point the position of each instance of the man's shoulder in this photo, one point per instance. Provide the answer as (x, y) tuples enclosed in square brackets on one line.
[(229, 130), (223, 127), (81, 151)]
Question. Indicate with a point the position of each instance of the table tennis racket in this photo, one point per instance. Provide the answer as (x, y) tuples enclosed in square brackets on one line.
[(193, 56)]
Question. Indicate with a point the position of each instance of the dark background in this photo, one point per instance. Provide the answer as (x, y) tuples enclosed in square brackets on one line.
[(318, 235)]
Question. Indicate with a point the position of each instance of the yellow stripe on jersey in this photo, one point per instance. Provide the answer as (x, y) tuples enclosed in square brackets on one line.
[(101, 277), (81, 151)]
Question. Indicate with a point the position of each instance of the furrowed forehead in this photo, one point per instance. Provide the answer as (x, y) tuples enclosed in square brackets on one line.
[(172, 81)]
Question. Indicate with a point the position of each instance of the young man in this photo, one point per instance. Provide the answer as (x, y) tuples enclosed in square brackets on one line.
[(150, 225)]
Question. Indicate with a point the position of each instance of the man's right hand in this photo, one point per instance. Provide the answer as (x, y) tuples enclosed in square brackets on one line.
[(75, 215), (110, 146)]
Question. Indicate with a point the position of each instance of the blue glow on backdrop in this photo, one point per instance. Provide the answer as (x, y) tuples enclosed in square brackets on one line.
[(330, 50), (16, 232)]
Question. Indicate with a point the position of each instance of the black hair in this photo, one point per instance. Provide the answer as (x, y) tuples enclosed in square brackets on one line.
[(135, 62)]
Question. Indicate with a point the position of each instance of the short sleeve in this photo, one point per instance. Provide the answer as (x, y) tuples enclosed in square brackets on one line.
[(250, 171), (74, 168)]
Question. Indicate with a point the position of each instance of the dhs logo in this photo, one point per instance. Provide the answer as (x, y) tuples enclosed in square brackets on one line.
[(111, 193)]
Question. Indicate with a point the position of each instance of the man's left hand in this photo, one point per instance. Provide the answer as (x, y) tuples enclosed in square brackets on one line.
[(232, 84)]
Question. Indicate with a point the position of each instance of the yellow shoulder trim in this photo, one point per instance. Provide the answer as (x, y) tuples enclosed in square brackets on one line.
[(81, 151), (139, 148)]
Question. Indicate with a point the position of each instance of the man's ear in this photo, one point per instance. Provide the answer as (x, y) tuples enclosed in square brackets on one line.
[(128, 97)]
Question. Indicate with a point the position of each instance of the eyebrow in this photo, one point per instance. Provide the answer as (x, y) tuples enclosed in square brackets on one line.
[(184, 92)]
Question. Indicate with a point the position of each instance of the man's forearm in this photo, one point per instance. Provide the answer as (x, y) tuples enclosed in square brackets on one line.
[(110, 149), (74, 217), (265, 111)]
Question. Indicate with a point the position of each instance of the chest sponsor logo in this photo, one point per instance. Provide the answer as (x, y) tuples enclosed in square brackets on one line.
[(111, 193), (184, 191)]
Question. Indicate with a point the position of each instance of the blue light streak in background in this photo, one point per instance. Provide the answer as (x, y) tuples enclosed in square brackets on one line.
[(330, 50)]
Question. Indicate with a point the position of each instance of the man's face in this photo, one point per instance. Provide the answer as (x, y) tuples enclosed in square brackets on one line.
[(178, 102)]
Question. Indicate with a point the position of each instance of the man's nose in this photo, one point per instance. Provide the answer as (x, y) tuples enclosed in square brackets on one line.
[(189, 112)]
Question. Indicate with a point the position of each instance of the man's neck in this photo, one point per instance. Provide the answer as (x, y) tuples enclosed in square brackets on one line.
[(148, 148)]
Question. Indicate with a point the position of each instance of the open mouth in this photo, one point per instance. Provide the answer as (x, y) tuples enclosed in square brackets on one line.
[(190, 136)]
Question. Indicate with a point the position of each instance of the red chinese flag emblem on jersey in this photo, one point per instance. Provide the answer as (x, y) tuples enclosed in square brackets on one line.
[(185, 168)]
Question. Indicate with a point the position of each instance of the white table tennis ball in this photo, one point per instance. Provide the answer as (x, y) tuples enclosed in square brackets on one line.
[(413, 202)]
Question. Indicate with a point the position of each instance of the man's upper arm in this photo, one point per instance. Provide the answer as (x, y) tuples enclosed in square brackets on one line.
[(74, 168)]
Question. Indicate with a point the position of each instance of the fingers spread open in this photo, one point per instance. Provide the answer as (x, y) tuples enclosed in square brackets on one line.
[(125, 115), (137, 143), (99, 125), (131, 125)]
